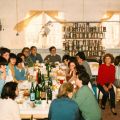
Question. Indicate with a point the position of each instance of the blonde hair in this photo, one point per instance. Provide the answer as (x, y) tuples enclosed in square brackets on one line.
[(64, 89)]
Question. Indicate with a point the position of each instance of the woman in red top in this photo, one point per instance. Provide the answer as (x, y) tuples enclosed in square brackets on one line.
[(106, 78)]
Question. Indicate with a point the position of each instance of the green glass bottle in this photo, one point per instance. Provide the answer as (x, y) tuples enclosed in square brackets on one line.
[(49, 93), (50, 82), (32, 93), (37, 92)]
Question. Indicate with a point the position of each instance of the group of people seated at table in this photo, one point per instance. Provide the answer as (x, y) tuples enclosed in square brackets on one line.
[(75, 100)]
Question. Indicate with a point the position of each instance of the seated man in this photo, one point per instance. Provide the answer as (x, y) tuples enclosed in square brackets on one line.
[(34, 55), (53, 57), (85, 99)]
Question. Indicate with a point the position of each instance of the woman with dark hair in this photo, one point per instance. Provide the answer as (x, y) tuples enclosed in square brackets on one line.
[(5, 53), (9, 109), (66, 59), (11, 68), (28, 61), (63, 108), (105, 80), (71, 71)]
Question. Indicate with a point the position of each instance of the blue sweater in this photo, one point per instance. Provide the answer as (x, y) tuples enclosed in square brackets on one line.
[(64, 109), (20, 74)]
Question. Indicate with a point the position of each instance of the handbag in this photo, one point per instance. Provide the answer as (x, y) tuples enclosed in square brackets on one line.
[(117, 77)]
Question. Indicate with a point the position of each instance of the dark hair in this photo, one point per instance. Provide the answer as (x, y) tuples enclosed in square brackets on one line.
[(52, 47), (12, 55), (84, 77), (20, 55), (80, 68), (8, 90), (4, 50), (25, 49), (19, 60), (32, 47), (66, 57), (81, 55), (3, 61), (117, 60), (64, 89), (108, 55), (72, 60)]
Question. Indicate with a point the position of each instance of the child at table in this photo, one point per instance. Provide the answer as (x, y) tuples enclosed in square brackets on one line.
[(20, 74)]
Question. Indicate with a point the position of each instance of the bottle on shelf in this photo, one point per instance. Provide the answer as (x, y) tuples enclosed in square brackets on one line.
[(32, 92)]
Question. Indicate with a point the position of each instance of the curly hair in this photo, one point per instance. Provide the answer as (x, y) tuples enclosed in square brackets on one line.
[(108, 55)]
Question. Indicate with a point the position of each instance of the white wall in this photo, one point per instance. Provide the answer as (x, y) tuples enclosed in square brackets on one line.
[(73, 9)]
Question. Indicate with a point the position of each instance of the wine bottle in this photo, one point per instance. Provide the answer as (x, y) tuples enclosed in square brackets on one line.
[(50, 82), (39, 79), (43, 92), (37, 92), (32, 93), (49, 94), (43, 89)]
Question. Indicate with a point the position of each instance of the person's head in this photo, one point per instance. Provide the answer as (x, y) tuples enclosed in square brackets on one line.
[(12, 59), (33, 50), (10, 90), (80, 56), (19, 62), (72, 64), (26, 51), (66, 59), (65, 90), (21, 55), (52, 50), (117, 60), (80, 68), (3, 63), (5, 52), (108, 58), (83, 78)]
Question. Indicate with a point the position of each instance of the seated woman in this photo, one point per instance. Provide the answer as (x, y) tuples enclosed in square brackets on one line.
[(106, 78), (63, 108), (3, 63), (9, 109), (85, 98), (66, 59), (11, 68), (19, 70), (71, 71), (21, 55), (28, 61)]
